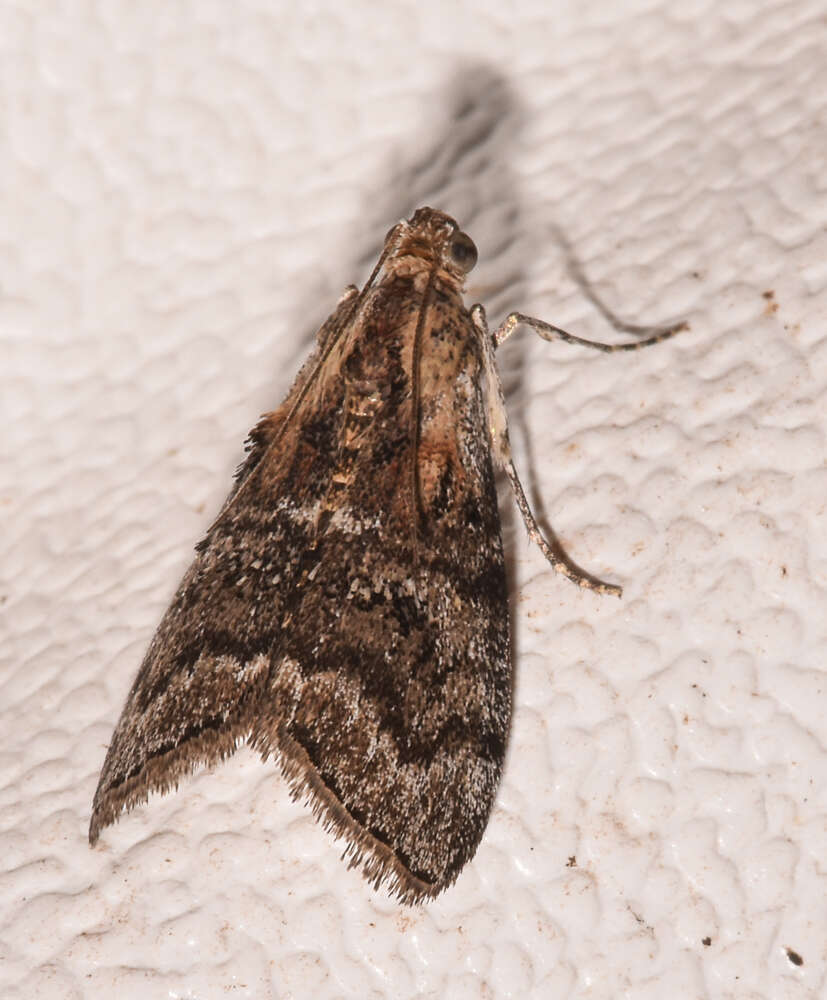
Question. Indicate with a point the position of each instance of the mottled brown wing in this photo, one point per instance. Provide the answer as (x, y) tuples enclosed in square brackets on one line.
[(210, 658), (347, 609), (389, 702)]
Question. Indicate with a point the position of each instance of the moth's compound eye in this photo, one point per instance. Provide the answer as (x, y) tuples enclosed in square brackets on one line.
[(463, 252)]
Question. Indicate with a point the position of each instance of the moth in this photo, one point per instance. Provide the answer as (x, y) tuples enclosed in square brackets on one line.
[(346, 613)]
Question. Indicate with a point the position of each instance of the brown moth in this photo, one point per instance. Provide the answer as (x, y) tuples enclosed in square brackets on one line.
[(346, 613)]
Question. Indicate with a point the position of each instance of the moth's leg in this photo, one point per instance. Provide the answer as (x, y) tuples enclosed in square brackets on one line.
[(501, 448), (549, 332)]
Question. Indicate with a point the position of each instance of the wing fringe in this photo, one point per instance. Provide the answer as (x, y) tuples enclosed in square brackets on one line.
[(162, 773), (377, 861)]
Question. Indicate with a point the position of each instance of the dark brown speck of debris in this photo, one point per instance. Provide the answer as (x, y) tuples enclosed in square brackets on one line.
[(794, 957)]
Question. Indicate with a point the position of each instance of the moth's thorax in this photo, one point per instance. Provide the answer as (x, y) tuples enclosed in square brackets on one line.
[(414, 270), (423, 265)]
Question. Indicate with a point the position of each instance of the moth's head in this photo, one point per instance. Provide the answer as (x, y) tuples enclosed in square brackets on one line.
[(431, 239)]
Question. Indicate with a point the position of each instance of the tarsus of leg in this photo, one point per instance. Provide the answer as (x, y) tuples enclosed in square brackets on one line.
[(559, 560)]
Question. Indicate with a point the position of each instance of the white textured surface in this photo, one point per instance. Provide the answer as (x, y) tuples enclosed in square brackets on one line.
[(185, 190)]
